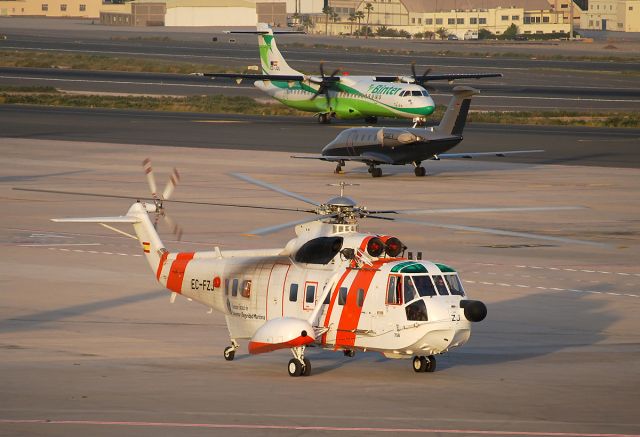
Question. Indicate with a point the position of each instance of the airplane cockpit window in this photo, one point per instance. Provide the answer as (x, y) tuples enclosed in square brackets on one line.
[(416, 93), (409, 289), (405, 93), (424, 285), (417, 311), (455, 287), (440, 285), (425, 93)]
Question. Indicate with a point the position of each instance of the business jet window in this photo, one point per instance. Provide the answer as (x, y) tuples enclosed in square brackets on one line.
[(455, 287), (442, 288), (416, 93), (424, 285), (417, 311)]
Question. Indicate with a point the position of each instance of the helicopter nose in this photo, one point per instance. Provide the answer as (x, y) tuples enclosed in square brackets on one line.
[(474, 310)]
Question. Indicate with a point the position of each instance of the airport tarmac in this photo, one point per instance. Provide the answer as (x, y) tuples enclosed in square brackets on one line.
[(90, 345)]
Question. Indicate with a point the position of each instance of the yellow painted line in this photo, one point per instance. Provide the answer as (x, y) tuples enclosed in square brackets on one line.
[(219, 121)]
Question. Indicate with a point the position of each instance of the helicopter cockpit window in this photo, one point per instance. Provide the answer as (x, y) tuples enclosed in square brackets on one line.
[(409, 289), (424, 285), (455, 287), (394, 290), (417, 311), (234, 288), (246, 288), (293, 293), (440, 285)]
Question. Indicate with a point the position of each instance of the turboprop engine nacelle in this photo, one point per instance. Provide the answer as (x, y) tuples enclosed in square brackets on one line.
[(281, 333)]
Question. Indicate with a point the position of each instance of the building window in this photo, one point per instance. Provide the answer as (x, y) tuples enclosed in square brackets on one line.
[(515, 17), (482, 20), (83, 8), (545, 19), (631, 8), (428, 21), (45, 7), (419, 20), (598, 7), (413, 21), (564, 6), (63, 8), (590, 23), (473, 20), (460, 21), (438, 20), (505, 18), (451, 21)]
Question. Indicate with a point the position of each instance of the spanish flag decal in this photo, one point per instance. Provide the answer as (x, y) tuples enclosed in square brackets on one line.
[(146, 246)]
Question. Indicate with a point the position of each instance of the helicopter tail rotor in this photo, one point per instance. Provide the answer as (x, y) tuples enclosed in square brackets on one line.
[(172, 183)]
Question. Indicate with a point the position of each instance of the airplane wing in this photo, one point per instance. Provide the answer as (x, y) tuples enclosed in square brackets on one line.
[(285, 77), (366, 157), (430, 77), (476, 154)]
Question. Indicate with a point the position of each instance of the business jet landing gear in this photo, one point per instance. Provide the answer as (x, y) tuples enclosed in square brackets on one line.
[(324, 118), (424, 364), (371, 119), (299, 365), (338, 169), (230, 351), (376, 172), (419, 121), (419, 170)]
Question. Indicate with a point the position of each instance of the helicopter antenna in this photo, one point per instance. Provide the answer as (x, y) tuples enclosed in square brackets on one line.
[(343, 184)]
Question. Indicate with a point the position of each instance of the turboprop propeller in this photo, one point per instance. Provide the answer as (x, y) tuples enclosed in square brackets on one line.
[(325, 83)]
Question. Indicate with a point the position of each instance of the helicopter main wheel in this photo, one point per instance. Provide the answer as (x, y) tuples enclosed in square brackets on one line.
[(371, 119), (229, 353), (420, 171), (431, 365), (376, 172), (349, 353), (420, 364), (306, 369), (294, 367)]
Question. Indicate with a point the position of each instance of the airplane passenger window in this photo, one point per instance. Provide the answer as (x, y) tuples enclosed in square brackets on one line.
[(455, 287), (394, 290), (424, 285), (246, 288), (342, 295), (293, 293), (360, 297), (442, 288), (417, 311), (310, 294), (234, 288), (409, 289)]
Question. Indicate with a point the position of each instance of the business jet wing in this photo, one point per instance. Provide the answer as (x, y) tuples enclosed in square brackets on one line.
[(367, 157), (429, 77), (501, 154)]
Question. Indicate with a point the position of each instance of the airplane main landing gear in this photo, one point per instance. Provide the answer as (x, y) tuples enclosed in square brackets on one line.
[(376, 172), (299, 365), (424, 364), (230, 351), (324, 118), (371, 119)]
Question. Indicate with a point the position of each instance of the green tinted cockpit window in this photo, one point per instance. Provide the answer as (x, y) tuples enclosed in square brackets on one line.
[(445, 268), (409, 267)]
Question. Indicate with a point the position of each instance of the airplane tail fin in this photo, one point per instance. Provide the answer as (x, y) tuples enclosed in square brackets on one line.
[(271, 59), (138, 216), (455, 117)]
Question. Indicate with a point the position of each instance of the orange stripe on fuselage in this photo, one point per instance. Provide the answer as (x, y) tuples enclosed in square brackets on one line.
[(345, 337), (332, 302), (163, 258), (176, 274)]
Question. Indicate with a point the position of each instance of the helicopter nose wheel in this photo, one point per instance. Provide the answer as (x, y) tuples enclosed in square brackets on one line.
[(299, 365), (424, 364)]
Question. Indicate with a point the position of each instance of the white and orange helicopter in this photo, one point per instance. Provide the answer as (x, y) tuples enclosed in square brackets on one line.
[(331, 286)]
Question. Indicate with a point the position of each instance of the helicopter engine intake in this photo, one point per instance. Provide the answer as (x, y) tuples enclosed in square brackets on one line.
[(474, 310)]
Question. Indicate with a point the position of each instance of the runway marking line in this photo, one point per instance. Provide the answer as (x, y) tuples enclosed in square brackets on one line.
[(603, 272), (305, 428), (503, 284)]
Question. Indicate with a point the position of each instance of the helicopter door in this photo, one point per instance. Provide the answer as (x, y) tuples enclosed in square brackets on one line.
[(275, 290)]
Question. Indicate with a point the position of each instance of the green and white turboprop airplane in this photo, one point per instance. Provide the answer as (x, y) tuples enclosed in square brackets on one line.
[(345, 97)]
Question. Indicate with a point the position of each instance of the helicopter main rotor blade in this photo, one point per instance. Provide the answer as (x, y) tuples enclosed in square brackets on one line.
[(187, 202), (502, 232), (480, 210), (274, 188), (276, 228)]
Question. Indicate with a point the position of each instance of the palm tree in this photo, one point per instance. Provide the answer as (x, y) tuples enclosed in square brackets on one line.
[(369, 8), (326, 11), (352, 18), (441, 32), (360, 17)]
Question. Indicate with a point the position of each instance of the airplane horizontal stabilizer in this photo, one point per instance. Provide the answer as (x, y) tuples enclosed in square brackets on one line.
[(477, 154)]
